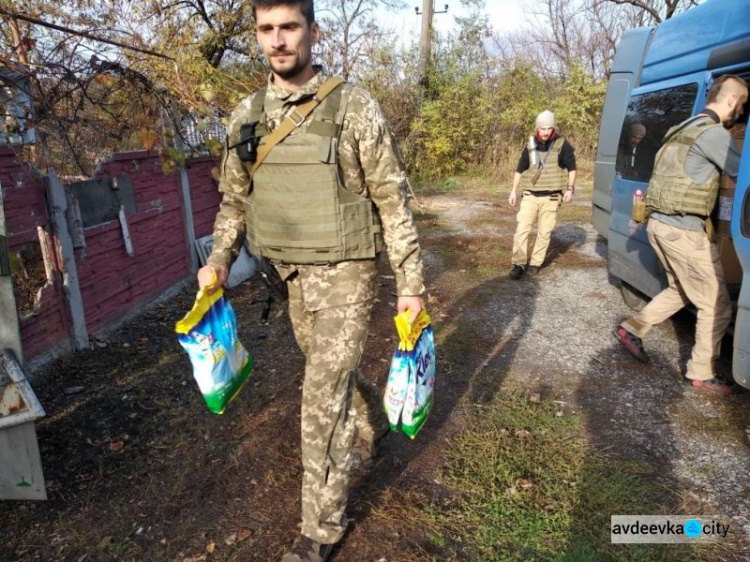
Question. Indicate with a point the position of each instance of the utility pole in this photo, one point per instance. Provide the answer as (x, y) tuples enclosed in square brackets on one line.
[(425, 40)]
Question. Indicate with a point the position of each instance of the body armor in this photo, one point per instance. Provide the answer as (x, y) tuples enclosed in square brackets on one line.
[(298, 211), (670, 190), (552, 177)]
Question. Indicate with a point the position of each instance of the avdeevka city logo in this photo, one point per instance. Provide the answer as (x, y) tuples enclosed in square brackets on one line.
[(693, 528)]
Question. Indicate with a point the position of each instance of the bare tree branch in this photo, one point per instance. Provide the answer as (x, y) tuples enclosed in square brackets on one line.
[(84, 34)]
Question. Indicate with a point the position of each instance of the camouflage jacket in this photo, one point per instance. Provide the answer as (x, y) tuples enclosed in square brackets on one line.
[(371, 166)]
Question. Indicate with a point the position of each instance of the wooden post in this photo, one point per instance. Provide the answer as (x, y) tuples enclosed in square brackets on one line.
[(125, 232)]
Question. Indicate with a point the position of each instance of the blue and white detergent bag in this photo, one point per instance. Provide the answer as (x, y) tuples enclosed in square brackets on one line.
[(221, 364), (411, 381)]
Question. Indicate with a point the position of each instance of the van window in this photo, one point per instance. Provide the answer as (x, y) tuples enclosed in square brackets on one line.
[(648, 119)]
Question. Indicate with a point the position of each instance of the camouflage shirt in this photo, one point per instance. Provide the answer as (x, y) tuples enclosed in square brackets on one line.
[(370, 166)]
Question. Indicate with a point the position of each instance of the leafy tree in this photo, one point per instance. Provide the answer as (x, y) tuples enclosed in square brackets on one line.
[(579, 107)]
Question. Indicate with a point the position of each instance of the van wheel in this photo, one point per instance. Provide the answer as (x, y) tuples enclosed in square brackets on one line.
[(633, 297)]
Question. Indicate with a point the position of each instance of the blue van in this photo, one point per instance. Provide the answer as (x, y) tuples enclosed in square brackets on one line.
[(661, 76)]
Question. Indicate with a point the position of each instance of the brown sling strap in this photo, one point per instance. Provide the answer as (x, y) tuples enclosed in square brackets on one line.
[(295, 118)]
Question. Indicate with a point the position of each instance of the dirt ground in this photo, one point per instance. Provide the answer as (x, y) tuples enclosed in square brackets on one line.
[(138, 469)]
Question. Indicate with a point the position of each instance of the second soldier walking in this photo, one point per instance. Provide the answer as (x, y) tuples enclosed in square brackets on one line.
[(546, 175)]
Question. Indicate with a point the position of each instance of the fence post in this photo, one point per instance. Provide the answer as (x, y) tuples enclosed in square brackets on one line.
[(187, 210), (72, 289), (10, 334)]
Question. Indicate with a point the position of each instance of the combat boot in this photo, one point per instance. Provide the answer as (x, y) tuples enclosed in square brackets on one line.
[(305, 549), (364, 452), (516, 272), (532, 270)]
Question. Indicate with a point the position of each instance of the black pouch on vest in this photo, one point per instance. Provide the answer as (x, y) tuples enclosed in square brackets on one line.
[(247, 147), (272, 280)]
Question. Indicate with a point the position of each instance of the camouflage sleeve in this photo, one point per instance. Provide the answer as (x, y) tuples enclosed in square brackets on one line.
[(234, 185), (385, 177)]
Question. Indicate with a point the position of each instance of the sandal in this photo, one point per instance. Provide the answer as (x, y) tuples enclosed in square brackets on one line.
[(632, 343), (714, 385)]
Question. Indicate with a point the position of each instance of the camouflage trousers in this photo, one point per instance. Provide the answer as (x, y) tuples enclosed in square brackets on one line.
[(338, 404)]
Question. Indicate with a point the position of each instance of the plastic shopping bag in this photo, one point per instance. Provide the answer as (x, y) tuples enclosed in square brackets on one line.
[(221, 364), (411, 380)]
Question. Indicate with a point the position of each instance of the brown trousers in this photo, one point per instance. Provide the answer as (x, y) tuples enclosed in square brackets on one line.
[(544, 209), (694, 274)]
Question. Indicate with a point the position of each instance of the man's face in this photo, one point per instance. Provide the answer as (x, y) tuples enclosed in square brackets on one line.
[(286, 39), (635, 140), (545, 132), (737, 111)]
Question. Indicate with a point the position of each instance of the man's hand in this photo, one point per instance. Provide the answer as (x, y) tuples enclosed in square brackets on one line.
[(512, 198), (212, 277), (568, 196), (412, 304)]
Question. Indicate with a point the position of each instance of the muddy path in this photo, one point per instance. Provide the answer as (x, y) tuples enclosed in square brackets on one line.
[(138, 469)]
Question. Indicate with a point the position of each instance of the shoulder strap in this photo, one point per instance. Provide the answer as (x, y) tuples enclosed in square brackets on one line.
[(679, 128), (543, 162), (295, 119), (325, 124), (257, 105)]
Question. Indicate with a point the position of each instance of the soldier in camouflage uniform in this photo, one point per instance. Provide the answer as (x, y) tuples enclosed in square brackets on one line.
[(329, 298)]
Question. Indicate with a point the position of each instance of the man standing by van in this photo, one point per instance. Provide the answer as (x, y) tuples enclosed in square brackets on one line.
[(546, 173), (681, 195), (329, 193)]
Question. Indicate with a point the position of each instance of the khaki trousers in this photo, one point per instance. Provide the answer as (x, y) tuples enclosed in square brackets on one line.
[(694, 274), (544, 209), (338, 403)]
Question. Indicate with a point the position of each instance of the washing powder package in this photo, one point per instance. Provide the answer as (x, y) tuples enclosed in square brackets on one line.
[(411, 380), (221, 364)]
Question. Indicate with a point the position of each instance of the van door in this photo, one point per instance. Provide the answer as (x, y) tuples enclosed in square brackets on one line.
[(741, 237), (655, 107), (624, 75)]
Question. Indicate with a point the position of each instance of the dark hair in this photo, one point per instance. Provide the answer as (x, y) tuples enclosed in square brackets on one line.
[(713, 93), (307, 7)]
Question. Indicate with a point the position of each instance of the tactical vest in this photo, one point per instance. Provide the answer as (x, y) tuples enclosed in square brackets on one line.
[(553, 177), (298, 211), (670, 190)]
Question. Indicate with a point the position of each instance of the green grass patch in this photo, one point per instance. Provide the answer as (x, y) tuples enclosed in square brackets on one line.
[(448, 184), (527, 486), (463, 183)]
